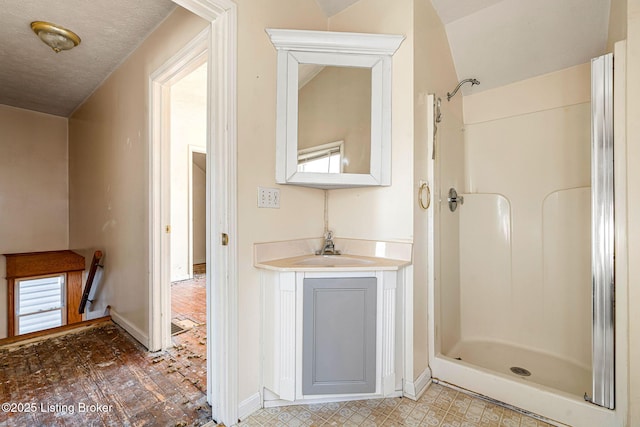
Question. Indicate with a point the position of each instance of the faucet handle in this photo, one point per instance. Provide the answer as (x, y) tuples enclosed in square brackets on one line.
[(329, 235)]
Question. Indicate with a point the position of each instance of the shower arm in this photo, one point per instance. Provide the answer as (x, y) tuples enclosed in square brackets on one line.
[(452, 94)]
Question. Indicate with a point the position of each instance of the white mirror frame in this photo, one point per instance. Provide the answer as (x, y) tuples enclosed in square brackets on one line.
[(329, 48)]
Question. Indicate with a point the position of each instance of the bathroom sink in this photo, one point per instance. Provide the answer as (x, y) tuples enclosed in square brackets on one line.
[(331, 261)]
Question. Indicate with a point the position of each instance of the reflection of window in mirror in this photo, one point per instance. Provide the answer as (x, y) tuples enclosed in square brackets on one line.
[(326, 158), (334, 104)]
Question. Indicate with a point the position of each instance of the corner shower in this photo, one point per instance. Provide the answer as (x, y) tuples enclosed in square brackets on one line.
[(515, 266)]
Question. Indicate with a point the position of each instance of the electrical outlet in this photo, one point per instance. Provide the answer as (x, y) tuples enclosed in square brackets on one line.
[(268, 198)]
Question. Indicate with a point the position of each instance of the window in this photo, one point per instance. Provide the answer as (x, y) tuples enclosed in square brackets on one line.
[(40, 303), (326, 158)]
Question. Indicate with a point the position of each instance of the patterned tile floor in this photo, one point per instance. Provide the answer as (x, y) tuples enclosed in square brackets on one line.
[(439, 407)]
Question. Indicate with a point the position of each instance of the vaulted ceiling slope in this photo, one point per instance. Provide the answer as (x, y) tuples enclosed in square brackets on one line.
[(503, 41), (34, 77)]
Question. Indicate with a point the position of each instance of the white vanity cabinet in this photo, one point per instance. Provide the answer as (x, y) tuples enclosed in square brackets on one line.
[(331, 335)]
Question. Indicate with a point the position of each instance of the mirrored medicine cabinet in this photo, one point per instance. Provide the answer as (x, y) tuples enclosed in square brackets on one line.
[(333, 108)]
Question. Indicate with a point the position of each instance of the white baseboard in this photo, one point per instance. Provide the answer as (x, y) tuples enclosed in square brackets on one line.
[(274, 403), (249, 406), (133, 330), (414, 389)]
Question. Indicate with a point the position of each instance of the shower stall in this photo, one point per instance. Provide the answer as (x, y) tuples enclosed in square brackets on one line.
[(522, 273)]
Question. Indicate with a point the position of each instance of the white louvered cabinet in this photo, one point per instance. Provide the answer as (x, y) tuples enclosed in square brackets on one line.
[(40, 303)]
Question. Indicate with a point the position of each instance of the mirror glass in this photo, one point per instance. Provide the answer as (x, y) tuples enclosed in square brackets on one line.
[(334, 119)]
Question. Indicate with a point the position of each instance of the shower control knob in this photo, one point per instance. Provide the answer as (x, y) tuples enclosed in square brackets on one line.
[(453, 199)]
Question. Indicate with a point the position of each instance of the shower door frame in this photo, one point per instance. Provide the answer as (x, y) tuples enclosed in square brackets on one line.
[(602, 232)]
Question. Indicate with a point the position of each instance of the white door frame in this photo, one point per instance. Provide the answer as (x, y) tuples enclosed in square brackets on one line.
[(220, 39)]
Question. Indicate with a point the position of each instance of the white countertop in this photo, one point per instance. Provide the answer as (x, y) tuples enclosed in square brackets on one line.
[(356, 255)]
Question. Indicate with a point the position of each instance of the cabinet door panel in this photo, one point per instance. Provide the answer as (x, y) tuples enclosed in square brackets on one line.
[(339, 336)]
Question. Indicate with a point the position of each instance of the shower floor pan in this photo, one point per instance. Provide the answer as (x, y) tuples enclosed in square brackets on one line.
[(545, 369)]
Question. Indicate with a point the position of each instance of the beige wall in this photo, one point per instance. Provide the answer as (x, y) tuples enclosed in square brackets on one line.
[(109, 171), (617, 23), (382, 213), (633, 204), (34, 208)]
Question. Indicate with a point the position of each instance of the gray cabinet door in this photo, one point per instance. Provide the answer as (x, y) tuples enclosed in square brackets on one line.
[(339, 336)]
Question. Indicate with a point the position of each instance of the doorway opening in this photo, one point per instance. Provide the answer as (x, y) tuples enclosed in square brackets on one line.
[(179, 210), (187, 100)]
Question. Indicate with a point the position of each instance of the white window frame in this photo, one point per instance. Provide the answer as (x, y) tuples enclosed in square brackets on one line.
[(323, 151)]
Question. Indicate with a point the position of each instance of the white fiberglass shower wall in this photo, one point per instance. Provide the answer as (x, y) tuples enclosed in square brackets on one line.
[(525, 247), (512, 284)]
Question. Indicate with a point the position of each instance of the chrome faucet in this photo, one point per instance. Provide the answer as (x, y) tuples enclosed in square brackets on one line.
[(328, 247)]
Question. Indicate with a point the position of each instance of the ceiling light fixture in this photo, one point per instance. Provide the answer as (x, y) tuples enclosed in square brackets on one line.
[(57, 38)]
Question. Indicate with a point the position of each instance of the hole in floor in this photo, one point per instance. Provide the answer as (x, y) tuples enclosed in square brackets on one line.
[(179, 326), (176, 329)]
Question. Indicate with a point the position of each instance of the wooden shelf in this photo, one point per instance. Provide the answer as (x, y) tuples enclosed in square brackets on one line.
[(40, 263)]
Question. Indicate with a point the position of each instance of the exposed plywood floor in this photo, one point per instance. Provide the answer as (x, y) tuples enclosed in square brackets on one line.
[(103, 365), (188, 299)]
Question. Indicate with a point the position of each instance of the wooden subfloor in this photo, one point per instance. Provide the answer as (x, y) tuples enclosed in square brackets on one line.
[(188, 299), (101, 376)]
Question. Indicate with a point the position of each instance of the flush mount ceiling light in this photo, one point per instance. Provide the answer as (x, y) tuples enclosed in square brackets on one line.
[(57, 38)]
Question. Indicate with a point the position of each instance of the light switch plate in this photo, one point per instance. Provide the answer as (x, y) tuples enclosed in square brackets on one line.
[(268, 198)]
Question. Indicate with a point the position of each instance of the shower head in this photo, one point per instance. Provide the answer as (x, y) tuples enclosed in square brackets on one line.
[(452, 94)]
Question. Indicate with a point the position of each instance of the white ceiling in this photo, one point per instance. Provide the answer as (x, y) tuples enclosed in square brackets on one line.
[(495, 41), (503, 41), (34, 77), (331, 7)]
